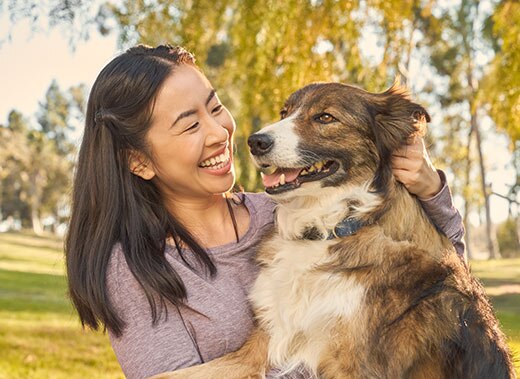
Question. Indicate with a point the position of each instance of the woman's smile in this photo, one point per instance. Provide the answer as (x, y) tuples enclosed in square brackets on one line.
[(218, 164)]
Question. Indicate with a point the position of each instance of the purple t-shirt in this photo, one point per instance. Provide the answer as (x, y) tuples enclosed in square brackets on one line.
[(216, 318)]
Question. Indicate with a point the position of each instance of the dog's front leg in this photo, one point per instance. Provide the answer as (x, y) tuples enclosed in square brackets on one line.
[(250, 361)]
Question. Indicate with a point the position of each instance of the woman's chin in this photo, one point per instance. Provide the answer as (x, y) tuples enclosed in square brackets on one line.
[(226, 184)]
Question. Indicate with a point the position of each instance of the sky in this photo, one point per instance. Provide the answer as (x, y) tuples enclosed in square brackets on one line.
[(29, 63)]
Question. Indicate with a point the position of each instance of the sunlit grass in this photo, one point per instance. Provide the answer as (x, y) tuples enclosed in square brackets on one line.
[(40, 335), (501, 279), (25, 252)]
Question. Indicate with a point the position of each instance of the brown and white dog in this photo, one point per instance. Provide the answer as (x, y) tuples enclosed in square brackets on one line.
[(355, 281)]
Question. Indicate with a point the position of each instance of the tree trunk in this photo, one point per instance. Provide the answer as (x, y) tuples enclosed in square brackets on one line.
[(36, 183), (467, 236), (518, 230), (36, 222), (490, 232), (514, 189), (468, 231)]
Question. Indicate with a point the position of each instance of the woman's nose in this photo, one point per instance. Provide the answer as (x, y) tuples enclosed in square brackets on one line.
[(218, 133)]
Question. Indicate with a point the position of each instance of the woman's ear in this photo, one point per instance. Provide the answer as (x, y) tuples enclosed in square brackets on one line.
[(140, 165)]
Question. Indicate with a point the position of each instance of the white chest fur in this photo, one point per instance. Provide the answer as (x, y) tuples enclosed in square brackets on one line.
[(298, 303)]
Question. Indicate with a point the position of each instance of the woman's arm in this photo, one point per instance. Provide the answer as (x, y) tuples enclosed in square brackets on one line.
[(412, 166), (144, 350)]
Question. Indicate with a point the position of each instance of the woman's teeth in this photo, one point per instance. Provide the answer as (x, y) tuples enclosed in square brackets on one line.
[(216, 162)]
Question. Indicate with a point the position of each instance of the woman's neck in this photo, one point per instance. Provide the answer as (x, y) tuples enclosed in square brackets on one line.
[(209, 219)]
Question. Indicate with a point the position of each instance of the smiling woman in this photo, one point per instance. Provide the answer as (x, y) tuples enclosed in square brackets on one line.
[(159, 251), (190, 142), (150, 210)]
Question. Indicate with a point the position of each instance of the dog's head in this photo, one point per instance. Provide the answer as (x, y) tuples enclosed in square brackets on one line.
[(331, 135)]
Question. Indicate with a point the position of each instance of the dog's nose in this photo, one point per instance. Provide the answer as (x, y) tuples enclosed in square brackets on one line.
[(260, 143)]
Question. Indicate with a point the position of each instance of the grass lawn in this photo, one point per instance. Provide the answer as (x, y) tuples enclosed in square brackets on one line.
[(502, 281), (40, 336)]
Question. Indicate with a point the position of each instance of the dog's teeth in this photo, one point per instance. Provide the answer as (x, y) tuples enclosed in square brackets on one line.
[(282, 179), (304, 172), (319, 165), (312, 169)]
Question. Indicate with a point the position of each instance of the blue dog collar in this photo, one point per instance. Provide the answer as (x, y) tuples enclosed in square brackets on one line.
[(345, 228)]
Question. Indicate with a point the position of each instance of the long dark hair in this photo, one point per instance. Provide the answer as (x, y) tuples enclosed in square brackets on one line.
[(110, 205)]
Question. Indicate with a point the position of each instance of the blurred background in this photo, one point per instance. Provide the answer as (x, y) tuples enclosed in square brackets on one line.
[(459, 58)]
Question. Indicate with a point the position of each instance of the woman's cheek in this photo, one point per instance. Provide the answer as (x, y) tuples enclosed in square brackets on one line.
[(229, 122)]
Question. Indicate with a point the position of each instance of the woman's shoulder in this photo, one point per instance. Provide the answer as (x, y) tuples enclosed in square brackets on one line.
[(118, 274), (260, 200), (124, 291), (259, 205), (117, 261)]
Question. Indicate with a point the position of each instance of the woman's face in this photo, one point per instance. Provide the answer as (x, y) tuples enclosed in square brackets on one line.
[(190, 138)]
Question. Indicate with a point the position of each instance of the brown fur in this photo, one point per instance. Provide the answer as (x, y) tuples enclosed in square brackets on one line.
[(422, 315)]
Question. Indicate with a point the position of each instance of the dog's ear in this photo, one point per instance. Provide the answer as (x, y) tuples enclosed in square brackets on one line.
[(395, 119)]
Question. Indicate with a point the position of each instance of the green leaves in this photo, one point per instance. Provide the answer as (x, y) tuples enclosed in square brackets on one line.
[(257, 52), (501, 86)]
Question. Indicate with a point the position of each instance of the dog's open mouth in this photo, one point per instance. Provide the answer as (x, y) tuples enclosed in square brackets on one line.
[(277, 179)]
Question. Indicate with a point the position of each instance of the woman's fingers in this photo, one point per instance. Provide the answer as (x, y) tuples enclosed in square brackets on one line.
[(411, 165)]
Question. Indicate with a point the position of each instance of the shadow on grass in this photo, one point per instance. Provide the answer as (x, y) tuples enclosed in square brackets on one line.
[(30, 260), (33, 292), (495, 282), (28, 245), (7, 258), (507, 303), (24, 239)]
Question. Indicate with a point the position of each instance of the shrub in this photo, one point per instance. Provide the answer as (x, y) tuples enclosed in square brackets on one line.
[(507, 236)]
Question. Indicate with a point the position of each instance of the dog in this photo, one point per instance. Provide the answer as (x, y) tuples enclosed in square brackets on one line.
[(355, 280)]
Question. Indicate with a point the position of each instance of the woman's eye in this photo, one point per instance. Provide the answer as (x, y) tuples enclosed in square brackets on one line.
[(325, 118), (192, 127), (217, 109)]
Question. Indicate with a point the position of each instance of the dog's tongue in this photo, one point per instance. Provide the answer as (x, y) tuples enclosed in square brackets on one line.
[(273, 179)]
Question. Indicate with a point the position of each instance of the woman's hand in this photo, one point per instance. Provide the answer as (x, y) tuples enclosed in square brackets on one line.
[(412, 166)]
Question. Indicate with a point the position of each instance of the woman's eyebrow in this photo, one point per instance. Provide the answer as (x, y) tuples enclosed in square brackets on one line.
[(193, 111), (211, 96)]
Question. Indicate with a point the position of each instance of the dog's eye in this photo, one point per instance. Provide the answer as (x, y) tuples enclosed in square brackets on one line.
[(283, 114), (324, 118)]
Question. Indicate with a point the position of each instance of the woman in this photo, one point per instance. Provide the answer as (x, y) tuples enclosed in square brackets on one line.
[(157, 251)]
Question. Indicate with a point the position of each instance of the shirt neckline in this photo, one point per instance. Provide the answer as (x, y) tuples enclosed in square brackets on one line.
[(244, 239), (253, 220)]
